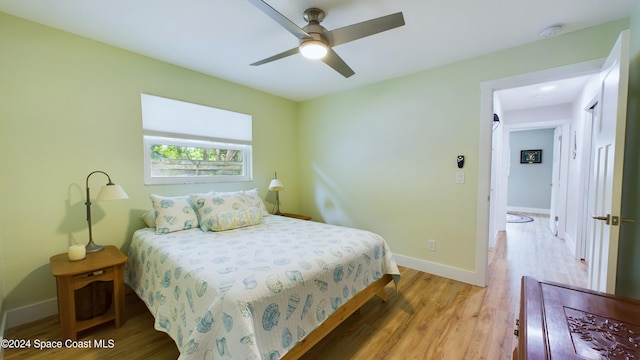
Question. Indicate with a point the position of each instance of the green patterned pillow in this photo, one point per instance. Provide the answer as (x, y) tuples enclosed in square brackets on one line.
[(215, 202), (173, 213), (231, 219)]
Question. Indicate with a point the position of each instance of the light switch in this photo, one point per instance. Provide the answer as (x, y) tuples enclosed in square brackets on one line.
[(460, 177)]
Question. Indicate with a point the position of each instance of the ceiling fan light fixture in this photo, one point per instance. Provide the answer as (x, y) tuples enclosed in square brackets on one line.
[(313, 49)]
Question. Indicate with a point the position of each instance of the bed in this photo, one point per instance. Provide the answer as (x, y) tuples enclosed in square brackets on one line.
[(267, 291)]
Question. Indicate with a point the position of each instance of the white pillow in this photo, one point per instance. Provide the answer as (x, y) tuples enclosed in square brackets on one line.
[(231, 219), (173, 213), (256, 201), (149, 218)]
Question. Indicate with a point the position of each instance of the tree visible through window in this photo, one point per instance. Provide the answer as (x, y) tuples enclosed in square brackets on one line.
[(172, 160)]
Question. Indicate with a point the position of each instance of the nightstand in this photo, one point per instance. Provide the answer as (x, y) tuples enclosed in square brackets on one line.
[(296, 216), (104, 265)]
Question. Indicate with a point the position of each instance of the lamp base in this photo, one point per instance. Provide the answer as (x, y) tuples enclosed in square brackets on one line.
[(92, 247), (277, 212)]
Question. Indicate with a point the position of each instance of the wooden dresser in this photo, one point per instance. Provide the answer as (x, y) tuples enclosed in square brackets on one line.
[(563, 322)]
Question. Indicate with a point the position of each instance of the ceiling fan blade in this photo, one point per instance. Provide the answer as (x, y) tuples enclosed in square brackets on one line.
[(332, 59), (277, 56), (364, 29), (280, 19)]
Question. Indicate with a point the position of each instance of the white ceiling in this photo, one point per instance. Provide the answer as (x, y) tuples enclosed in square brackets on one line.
[(222, 37), (542, 94)]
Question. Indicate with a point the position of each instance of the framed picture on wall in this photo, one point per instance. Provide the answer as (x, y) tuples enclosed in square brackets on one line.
[(530, 156)]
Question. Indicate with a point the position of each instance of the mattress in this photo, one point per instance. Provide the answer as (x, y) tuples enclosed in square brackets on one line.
[(253, 292)]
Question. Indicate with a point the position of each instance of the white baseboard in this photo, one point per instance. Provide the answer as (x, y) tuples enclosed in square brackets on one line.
[(465, 276), (570, 242), (529, 210), (3, 321), (32, 312)]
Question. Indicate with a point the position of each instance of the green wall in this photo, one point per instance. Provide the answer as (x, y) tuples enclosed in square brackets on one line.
[(69, 106), (628, 280), (383, 157), (1, 283)]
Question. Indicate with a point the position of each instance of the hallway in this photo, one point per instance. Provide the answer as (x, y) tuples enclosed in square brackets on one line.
[(532, 250)]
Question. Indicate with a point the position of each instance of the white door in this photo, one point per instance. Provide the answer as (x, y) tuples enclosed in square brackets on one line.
[(555, 180), (606, 189)]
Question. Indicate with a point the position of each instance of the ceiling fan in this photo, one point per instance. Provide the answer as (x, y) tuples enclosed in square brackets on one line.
[(316, 41)]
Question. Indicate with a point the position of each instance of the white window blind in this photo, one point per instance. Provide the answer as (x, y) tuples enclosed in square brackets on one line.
[(179, 117)]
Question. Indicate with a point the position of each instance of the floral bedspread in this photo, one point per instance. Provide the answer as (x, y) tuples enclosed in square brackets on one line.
[(253, 292)]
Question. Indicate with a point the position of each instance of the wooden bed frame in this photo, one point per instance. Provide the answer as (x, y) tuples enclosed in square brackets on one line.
[(376, 288)]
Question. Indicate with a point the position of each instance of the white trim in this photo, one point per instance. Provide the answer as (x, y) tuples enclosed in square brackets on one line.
[(429, 267), (32, 312), (487, 89), (550, 124), (3, 321), (568, 240), (149, 179), (484, 188), (529, 210), (562, 72)]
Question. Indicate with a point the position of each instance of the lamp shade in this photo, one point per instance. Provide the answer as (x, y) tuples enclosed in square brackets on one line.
[(111, 192), (276, 185)]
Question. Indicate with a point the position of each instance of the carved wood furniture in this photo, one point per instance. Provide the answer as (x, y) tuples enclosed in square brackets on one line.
[(563, 322)]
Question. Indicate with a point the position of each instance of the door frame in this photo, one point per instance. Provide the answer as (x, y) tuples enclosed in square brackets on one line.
[(558, 183), (486, 221), (582, 233)]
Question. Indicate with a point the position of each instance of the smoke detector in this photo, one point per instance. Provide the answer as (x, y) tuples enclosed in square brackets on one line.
[(550, 31)]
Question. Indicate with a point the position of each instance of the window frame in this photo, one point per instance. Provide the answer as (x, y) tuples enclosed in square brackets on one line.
[(150, 140), (191, 136)]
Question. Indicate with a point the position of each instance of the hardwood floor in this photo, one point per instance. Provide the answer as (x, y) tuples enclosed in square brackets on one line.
[(428, 317)]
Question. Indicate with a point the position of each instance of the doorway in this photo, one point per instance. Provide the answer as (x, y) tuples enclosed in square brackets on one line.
[(544, 108), (492, 219), (609, 84), (537, 195)]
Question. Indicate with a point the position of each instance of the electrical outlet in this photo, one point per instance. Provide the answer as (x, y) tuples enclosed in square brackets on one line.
[(431, 245)]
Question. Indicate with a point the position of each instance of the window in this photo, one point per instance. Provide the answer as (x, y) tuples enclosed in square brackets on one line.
[(191, 143)]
